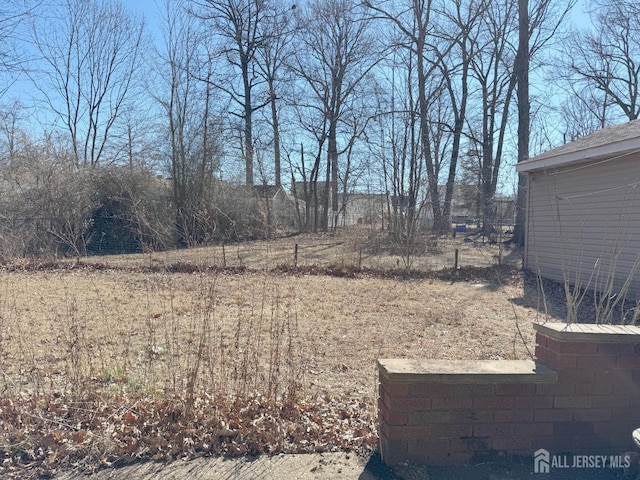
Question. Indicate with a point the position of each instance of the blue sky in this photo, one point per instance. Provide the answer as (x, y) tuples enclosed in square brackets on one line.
[(151, 11), (147, 7)]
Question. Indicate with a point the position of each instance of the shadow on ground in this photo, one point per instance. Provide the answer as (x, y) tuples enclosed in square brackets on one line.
[(517, 470), (550, 299)]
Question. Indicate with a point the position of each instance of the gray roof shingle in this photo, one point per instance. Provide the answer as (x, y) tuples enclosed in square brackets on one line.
[(607, 141)]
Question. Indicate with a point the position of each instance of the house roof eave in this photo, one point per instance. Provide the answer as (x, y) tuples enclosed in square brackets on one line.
[(609, 142), (544, 162)]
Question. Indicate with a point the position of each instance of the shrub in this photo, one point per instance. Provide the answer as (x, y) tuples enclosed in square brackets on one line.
[(133, 212)]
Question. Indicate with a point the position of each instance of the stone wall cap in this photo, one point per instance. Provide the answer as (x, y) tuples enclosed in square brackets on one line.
[(465, 371), (589, 332)]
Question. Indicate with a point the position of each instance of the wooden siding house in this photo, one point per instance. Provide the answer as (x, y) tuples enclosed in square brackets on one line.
[(583, 211)]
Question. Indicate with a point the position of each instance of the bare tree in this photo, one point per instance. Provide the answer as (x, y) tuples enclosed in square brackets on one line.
[(336, 54), (494, 70), (394, 140), (416, 23), (309, 173), (46, 204), (272, 54), (91, 54), (534, 32), (187, 101), (524, 121), (583, 113), (607, 57), (239, 24), (13, 15), (462, 17), (11, 131)]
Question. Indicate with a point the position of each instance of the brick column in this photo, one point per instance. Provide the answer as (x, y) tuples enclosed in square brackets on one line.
[(596, 402)]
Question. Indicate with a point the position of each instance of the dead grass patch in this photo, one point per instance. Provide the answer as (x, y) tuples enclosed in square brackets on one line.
[(123, 360)]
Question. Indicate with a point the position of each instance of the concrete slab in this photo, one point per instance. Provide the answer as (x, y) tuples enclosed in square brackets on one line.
[(337, 466), (325, 466)]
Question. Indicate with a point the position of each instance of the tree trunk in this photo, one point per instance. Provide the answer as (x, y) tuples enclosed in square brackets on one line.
[(522, 73), (248, 125), (276, 135)]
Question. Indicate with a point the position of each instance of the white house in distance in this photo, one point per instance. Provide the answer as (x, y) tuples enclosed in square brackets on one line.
[(583, 211), (277, 206)]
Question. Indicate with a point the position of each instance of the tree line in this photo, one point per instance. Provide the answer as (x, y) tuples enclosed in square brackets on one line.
[(154, 135)]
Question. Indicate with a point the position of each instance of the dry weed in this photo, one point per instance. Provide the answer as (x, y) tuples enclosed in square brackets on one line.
[(111, 364)]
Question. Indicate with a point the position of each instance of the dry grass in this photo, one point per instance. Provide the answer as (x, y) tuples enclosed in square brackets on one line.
[(357, 246), (282, 349), (117, 320)]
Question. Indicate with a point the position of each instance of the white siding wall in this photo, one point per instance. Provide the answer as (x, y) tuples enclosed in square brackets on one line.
[(583, 223)]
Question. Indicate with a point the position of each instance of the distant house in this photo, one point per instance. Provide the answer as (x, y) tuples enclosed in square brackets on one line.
[(353, 208), (465, 206), (361, 208), (375, 206), (312, 200), (278, 207), (583, 211), (371, 208)]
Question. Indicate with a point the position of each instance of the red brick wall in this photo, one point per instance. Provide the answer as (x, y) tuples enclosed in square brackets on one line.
[(589, 406)]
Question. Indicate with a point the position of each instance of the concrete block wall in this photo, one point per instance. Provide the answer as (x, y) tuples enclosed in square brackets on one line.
[(581, 395)]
